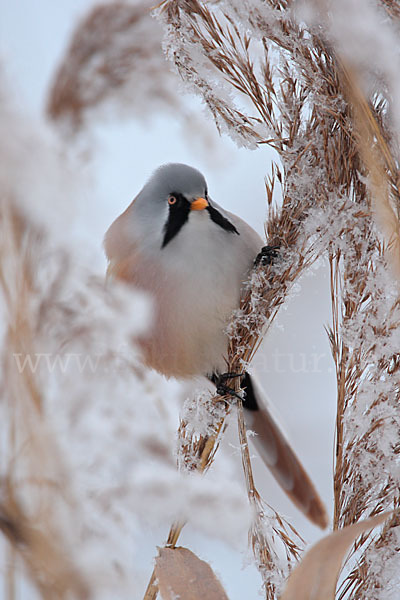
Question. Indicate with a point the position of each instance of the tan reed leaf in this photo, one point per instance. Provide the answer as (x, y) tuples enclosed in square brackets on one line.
[(181, 574), (359, 582), (316, 575)]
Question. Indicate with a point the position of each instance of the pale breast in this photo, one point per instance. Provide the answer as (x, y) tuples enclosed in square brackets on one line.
[(201, 274)]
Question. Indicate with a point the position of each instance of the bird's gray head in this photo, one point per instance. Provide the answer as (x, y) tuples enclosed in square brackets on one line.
[(172, 194), (178, 178)]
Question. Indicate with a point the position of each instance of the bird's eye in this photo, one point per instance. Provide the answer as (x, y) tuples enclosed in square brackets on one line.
[(171, 200)]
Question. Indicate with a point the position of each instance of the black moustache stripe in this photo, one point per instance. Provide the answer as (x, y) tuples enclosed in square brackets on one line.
[(220, 220), (178, 215)]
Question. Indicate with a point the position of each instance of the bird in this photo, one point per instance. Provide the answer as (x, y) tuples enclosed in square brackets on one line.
[(194, 257)]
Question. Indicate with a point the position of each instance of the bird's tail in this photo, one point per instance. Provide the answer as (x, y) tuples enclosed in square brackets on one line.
[(279, 457)]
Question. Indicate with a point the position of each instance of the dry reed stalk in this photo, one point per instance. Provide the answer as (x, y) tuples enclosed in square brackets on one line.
[(392, 8), (45, 558), (380, 164), (31, 527), (259, 305), (383, 176), (10, 575), (355, 497), (349, 362), (114, 58), (262, 541), (358, 276)]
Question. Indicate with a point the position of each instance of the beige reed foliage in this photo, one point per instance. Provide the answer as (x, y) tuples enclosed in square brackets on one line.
[(114, 59), (29, 519), (338, 157)]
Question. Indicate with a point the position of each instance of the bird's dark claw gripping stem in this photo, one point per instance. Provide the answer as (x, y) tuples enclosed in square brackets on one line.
[(267, 255), (220, 383)]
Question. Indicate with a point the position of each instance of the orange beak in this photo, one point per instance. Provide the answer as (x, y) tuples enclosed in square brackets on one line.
[(199, 204)]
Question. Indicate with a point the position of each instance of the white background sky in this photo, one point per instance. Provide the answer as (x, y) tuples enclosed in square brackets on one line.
[(295, 365)]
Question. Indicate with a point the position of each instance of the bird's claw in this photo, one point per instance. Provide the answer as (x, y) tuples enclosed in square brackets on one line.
[(223, 389), (267, 255)]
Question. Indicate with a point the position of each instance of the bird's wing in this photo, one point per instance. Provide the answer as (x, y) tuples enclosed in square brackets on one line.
[(279, 457), (122, 269), (120, 248)]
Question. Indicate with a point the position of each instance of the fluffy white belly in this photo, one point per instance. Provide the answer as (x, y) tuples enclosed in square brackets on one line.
[(196, 290), (189, 333)]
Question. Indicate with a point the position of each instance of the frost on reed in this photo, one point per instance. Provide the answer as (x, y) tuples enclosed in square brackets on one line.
[(320, 85)]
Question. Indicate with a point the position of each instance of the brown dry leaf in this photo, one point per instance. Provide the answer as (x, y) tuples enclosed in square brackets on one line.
[(316, 576), (181, 574)]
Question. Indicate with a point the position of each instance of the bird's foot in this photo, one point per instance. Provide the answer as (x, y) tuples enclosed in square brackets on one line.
[(267, 255), (223, 389)]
